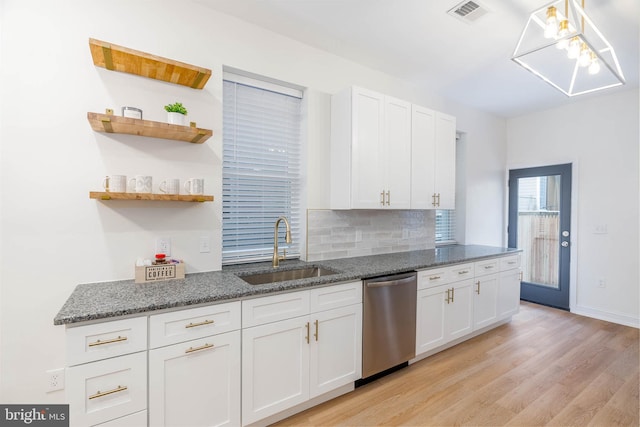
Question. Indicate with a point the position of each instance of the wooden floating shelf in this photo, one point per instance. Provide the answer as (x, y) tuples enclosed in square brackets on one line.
[(102, 195), (118, 58), (127, 125)]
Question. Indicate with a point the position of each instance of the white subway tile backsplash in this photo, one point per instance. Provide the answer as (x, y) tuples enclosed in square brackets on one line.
[(350, 233)]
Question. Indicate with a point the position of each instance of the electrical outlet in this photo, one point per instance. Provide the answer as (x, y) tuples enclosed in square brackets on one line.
[(205, 244), (55, 380), (163, 246), (602, 283)]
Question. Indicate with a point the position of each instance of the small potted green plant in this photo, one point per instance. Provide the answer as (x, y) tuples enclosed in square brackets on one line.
[(176, 113)]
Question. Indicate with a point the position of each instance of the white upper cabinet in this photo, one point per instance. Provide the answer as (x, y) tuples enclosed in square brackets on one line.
[(389, 154), (370, 151), (445, 161), (423, 159), (433, 159)]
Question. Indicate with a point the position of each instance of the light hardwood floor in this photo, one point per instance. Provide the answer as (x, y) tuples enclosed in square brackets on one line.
[(546, 367)]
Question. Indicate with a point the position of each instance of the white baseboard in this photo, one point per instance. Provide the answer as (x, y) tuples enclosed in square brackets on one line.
[(621, 319)]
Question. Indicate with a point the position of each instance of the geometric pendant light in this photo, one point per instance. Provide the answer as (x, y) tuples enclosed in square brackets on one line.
[(561, 45)]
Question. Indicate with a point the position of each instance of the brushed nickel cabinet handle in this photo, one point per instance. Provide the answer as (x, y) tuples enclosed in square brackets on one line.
[(316, 334), (382, 198), (111, 341), (434, 277), (389, 198), (307, 337), (478, 290), (106, 393)]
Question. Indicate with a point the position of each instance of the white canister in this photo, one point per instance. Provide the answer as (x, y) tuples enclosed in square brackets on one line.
[(132, 112)]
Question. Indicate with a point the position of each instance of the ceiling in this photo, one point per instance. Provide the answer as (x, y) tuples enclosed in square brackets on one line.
[(416, 40)]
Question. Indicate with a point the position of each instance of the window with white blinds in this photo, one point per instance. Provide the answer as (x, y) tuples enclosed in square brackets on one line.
[(445, 226), (260, 169)]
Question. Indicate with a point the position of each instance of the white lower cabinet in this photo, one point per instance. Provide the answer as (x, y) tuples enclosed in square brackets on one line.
[(454, 301), (509, 294), (106, 378), (139, 419), (275, 368), (485, 300), (336, 349), (196, 383), (107, 389), (444, 313), (287, 362), (459, 313)]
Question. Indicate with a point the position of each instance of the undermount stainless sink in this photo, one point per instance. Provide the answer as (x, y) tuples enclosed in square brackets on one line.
[(284, 275)]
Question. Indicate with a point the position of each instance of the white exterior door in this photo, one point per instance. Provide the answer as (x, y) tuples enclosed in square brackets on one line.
[(336, 348), (275, 367), (196, 383)]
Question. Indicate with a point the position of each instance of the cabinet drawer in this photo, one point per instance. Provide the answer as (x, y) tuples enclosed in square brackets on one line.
[(460, 272), (335, 296), (432, 277), (193, 323), (488, 266), (139, 419), (107, 389), (509, 262), (103, 340), (273, 308)]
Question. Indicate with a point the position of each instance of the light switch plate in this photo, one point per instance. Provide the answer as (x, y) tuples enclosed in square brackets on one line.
[(205, 244)]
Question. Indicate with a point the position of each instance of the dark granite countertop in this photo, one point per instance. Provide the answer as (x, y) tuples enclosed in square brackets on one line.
[(107, 300)]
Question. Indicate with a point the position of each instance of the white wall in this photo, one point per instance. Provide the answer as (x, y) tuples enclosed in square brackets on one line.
[(54, 237), (600, 137)]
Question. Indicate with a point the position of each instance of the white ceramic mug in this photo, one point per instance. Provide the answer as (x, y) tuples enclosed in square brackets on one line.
[(141, 184), (115, 183), (170, 186), (194, 186)]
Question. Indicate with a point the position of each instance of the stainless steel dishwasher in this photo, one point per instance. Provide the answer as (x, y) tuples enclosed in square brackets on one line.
[(389, 322)]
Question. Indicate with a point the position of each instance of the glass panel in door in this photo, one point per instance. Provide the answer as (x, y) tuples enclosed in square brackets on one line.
[(539, 229)]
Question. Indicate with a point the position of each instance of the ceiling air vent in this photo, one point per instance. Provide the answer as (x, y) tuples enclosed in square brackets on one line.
[(468, 11)]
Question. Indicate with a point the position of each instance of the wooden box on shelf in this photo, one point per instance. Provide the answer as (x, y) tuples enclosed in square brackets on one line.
[(159, 272)]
